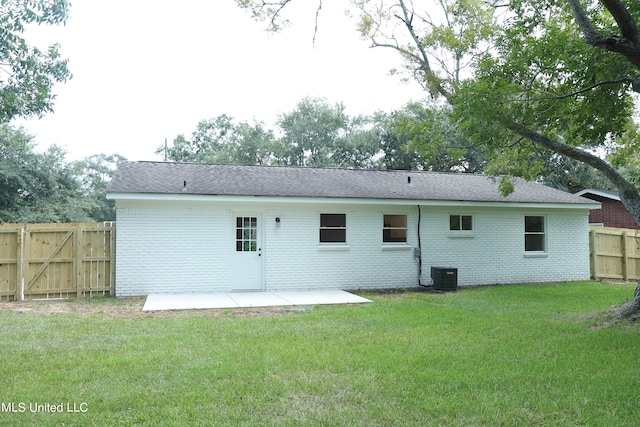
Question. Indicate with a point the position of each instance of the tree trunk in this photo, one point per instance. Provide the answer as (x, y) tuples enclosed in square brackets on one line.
[(634, 305)]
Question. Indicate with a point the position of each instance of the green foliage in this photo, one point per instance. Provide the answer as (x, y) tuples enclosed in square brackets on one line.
[(313, 134), (542, 75), (624, 153), (312, 131), (220, 140), (527, 80), (27, 74), (94, 173), (394, 149), (429, 131), (41, 187), (437, 40), (318, 134)]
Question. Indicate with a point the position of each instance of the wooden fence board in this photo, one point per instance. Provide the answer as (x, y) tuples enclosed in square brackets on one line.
[(10, 261), (56, 260), (95, 253), (615, 253)]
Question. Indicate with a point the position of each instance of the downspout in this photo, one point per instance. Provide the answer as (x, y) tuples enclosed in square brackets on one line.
[(418, 255)]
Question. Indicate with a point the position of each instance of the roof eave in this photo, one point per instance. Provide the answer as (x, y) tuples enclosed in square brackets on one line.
[(600, 193), (361, 201)]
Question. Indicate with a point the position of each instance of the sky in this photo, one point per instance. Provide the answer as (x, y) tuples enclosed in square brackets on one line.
[(146, 70)]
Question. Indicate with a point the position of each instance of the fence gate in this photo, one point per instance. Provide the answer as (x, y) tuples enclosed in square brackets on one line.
[(57, 260)]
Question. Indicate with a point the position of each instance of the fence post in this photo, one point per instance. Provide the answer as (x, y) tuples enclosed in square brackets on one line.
[(112, 256), (78, 260), (594, 254), (625, 256), (19, 263)]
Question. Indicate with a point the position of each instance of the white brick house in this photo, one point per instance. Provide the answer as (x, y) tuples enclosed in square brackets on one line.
[(221, 228)]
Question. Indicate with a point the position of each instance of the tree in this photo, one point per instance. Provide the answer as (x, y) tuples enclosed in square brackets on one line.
[(427, 130), (549, 77), (316, 134), (37, 187), (540, 88), (94, 173), (394, 144), (42, 187), (545, 89), (27, 74), (571, 175), (221, 140)]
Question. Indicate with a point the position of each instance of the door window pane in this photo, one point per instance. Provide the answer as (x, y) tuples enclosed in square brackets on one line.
[(246, 234)]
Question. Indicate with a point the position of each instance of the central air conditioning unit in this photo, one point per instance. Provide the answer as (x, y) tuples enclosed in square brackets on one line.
[(444, 278)]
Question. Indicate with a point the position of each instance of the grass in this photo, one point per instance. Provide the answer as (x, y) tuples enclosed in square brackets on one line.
[(492, 356)]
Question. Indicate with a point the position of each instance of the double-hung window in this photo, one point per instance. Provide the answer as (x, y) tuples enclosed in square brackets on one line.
[(333, 228), (534, 234), (395, 229)]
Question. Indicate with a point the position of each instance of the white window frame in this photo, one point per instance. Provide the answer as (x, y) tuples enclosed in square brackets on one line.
[(460, 232), (543, 233), (321, 227), (386, 228)]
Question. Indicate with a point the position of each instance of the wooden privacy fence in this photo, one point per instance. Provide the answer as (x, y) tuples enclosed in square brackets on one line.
[(615, 253), (56, 260)]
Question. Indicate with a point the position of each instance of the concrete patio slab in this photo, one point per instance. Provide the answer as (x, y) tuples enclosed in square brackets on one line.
[(157, 302), (257, 299), (187, 301), (327, 297)]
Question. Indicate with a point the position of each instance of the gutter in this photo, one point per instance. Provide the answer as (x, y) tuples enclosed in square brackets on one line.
[(359, 201)]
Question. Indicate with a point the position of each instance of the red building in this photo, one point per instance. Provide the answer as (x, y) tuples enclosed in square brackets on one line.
[(612, 214)]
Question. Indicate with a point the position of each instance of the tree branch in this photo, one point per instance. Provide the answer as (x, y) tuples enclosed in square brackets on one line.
[(433, 80), (625, 22), (402, 51), (629, 194), (315, 30), (626, 45), (586, 89), (282, 4)]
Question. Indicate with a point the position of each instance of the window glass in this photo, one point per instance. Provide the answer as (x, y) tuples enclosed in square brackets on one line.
[(246, 234), (333, 228), (467, 222), (534, 234), (534, 224), (460, 222), (395, 229)]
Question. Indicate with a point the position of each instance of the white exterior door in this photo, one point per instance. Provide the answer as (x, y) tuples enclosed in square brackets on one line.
[(246, 268)]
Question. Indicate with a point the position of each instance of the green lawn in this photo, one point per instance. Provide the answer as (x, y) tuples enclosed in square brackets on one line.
[(490, 356)]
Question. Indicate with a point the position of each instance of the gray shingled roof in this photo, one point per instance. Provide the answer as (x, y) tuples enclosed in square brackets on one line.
[(235, 180)]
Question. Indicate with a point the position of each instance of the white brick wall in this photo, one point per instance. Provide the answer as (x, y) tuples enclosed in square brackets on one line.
[(495, 252), (166, 250), (172, 248), (296, 260)]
